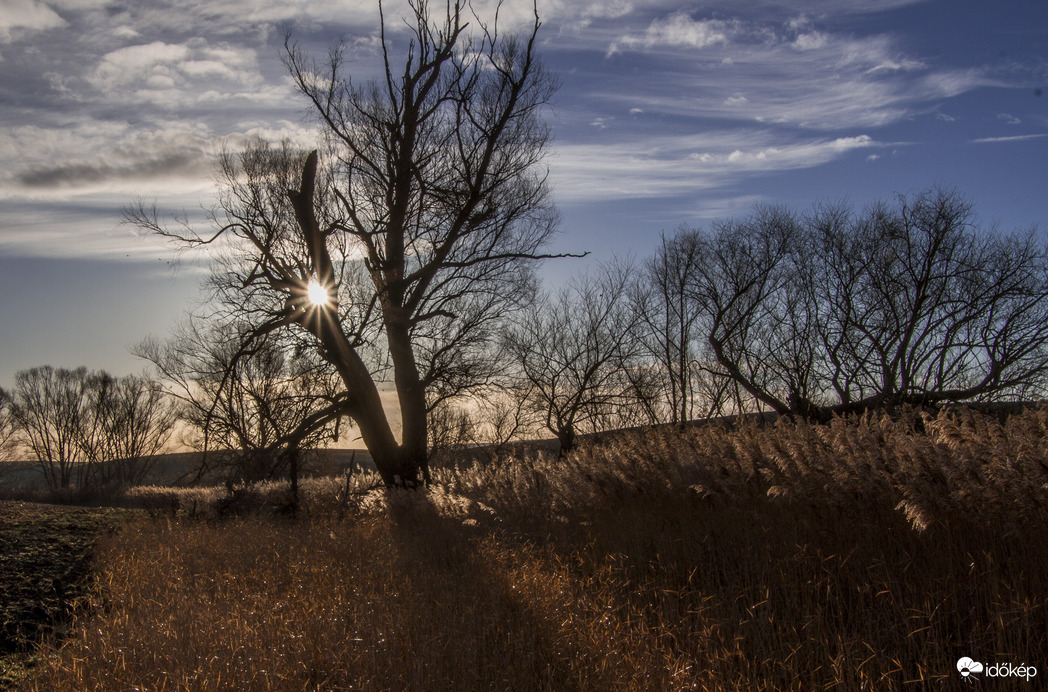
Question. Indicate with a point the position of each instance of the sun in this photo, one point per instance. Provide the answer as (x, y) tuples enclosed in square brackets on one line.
[(317, 294)]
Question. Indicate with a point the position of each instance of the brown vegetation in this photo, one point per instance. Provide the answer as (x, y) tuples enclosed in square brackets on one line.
[(864, 554)]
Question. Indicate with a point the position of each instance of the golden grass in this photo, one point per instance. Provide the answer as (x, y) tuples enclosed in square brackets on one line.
[(864, 555)]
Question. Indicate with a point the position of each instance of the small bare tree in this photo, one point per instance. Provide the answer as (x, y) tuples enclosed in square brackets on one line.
[(574, 352), (131, 422), (670, 322), (504, 416), (451, 428), (258, 409), (50, 408), (418, 233), (8, 429)]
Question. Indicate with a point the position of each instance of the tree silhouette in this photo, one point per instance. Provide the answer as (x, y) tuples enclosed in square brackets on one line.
[(576, 356), (422, 226), (840, 311), (89, 427)]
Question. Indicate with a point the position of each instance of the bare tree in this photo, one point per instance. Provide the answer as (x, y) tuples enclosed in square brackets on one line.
[(419, 232), (258, 409), (131, 421), (49, 407), (504, 415), (739, 290), (691, 385), (573, 354), (89, 427), (838, 311), (451, 428), (8, 429), (917, 304)]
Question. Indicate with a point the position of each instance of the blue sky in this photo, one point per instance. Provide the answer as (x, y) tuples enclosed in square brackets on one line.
[(669, 113)]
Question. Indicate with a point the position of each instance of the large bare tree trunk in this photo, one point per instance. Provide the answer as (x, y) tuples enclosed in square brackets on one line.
[(398, 464), (413, 411)]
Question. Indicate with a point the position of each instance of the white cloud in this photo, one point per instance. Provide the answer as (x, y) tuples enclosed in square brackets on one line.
[(1009, 118), (666, 166), (678, 30), (240, 19), (34, 144), (62, 205), (811, 41), (76, 232), (950, 83), (26, 15), (125, 32), (781, 74), (1014, 138), (163, 160), (177, 74), (891, 65), (113, 158)]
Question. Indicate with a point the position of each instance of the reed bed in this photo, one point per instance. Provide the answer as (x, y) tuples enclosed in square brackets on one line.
[(867, 554)]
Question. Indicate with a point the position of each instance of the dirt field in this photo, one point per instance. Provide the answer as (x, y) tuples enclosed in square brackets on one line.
[(45, 558)]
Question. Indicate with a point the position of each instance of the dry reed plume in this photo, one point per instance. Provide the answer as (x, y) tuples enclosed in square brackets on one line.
[(868, 554)]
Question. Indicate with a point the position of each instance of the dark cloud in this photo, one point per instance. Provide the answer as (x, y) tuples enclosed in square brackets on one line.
[(76, 174)]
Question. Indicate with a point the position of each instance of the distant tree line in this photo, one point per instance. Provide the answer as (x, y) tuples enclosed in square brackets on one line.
[(833, 311), (828, 312), (841, 311), (89, 430), (85, 428)]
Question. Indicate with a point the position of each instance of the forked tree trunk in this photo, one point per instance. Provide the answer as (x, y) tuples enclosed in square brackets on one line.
[(399, 464)]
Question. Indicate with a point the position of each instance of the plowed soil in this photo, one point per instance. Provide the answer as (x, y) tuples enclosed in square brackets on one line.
[(45, 566)]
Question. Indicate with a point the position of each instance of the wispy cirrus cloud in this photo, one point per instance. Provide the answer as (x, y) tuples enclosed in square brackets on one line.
[(787, 73), (98, 157), (74, 231), (668, 166), (115, 158), (1013, 138)]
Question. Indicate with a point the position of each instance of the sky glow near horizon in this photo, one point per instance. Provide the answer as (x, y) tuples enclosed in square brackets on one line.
[(668, 114)]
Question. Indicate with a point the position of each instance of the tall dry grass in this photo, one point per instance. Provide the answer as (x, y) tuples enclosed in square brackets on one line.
[(867, 554)]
